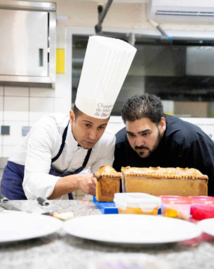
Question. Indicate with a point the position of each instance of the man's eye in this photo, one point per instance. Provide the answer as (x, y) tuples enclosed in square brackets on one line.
[(131, 135), (145, 134), (87, 125), (102, 127)]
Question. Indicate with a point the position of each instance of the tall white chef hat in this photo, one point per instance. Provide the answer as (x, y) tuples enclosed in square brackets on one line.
[(106, 64)]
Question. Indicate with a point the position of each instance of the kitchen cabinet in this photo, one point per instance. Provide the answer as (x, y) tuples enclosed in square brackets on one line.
[(27, 47)]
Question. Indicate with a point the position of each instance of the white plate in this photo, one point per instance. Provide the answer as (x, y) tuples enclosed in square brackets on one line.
[(22, 226), (131, 229), (207, 226)]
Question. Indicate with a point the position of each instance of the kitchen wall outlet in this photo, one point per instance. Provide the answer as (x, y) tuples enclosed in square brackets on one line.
[(25, 130), (5, 130)]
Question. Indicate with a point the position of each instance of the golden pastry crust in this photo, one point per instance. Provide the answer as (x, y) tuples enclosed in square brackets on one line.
[(108, 183), (107, 171), (161, 172)]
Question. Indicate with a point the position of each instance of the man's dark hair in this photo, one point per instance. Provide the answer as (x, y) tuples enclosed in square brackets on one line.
[(77, 112), (143, 106)]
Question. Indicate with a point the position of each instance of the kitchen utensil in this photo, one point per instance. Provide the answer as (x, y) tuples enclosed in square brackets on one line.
[(6, 204), (46, 206), (42, 201), (3, 198), (59, 215)]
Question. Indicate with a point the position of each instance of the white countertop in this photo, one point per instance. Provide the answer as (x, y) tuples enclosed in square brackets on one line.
[(61, 250)]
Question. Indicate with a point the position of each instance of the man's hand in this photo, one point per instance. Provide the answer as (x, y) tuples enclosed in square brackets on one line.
[(84, 182), (87, 183)]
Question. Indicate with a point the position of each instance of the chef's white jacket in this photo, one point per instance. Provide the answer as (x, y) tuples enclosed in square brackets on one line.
[(43, 143)]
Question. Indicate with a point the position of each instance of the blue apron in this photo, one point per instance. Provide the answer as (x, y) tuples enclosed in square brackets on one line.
[(11, 184)]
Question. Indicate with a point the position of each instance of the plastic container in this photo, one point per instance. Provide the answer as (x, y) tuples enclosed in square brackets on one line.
[(202, 207), (204, 200), (176, 207), (202, 211), (137, 203)]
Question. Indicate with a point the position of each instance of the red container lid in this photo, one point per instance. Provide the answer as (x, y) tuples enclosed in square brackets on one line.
[(202, 211)]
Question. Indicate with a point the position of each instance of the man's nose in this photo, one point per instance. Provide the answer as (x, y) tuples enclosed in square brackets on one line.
[(93, 134), (139, 141)]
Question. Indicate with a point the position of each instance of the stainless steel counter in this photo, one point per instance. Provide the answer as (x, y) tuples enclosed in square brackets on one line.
[(61, 250)]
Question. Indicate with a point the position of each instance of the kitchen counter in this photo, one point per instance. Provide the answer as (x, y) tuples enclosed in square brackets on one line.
[(61, 250)]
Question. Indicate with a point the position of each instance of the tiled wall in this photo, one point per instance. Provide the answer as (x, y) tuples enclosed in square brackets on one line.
[(21, 107)]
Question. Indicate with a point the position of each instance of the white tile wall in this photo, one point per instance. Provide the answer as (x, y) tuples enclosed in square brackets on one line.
[(1, 139), (7, 151), (40, 107), (15, 133), (23, 107), (41, 92), (16, 91), (61, 89), (1, 108), (16, 108), (61, 106)]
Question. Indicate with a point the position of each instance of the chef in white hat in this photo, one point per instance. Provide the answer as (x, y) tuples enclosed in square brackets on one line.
[(49, 161)]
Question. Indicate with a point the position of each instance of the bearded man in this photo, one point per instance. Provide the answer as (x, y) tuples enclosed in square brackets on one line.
[(152, 138)]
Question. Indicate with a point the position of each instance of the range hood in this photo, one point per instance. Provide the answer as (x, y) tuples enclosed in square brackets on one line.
[(28, 43)]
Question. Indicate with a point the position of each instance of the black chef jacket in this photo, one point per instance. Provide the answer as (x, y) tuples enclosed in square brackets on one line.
[(183, 145)]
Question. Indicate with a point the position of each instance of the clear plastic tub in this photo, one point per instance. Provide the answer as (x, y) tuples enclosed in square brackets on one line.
[(176, 207), (137, 203), (202, 211), (204, 200), (202, 207)]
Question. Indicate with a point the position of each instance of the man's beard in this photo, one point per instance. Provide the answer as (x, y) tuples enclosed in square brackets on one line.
[(157, 142)]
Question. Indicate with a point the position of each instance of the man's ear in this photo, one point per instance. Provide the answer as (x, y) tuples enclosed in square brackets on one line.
[(162, 125), (72, 116)]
